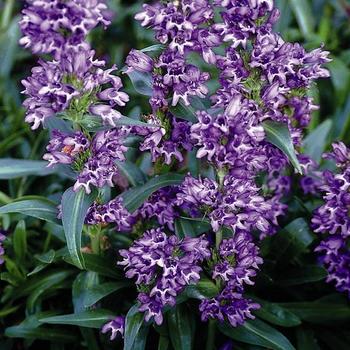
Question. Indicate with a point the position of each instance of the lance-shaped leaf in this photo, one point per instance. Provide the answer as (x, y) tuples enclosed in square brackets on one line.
[(142, 82), (90, 319), (256, 332), (132, 172), (133, 323), (74, 209), (14, 168), (278, 134), (94, 123), (37, 207), (135, 197)]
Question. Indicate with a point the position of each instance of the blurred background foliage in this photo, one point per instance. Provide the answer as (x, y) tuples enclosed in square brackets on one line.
[(35, 246)]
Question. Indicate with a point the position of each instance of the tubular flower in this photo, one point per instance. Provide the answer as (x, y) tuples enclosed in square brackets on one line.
[(75, 85), (55, 25), (162, 267), (238, 260), (332, 219), (115, 326)]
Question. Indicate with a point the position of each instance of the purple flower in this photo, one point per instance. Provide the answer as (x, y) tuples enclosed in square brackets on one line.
[(167, 141), (139, 61), (73, 86), (240, 260), (65, 148), (237, 205), (335, 255), (162, 206), (55, 25), (100, 169), (111, 212), (115, 326), (332, 218), (229, 305), (162, 267), (2, 250), (237, 262)]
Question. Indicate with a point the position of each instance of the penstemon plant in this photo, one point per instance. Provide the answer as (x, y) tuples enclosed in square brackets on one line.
[(187, 207)]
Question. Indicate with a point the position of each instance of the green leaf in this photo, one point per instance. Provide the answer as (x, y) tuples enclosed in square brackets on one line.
[(9, 47), (340, 75), (40, 208), (191, 227), (304, 15), (46, 258), (163, 343), (180, 326), (316, 142), (94, 123), (132, 172), (42, 282), (278, 134), (96, 263), (74, 208), (292, 241), (89, 319), (14, 168), (142, 82), (20, 241), (275, 314), (42, 333), (135, 197), (306, 340), (83, 283), (153, 48), (257, 332), (204, 289), (306, 274), (320, 312), (133, 323), (96, 293)]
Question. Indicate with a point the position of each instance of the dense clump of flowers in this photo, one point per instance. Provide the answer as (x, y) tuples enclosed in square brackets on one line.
[(162, 206), (162, 267), (116, 326), (111, 212), (2, 250), (50, 26), (75, 85), (236, 204), (333, 219), (237, 262), (95, 160)]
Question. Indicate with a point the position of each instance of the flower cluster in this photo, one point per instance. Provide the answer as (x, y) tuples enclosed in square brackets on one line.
[(111, 212), (162, 206), (163, 266), (167, 140), (236, 204), (237, 263), (333, 218), (55, 25), (2, 250), (75, 85)]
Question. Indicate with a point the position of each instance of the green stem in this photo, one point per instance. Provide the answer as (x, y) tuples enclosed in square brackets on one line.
[(96, 240), (218, 238), (210, 345)]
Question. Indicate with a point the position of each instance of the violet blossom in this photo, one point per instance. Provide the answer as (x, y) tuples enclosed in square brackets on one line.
[(55, 25), (332, 219), (162, 267), (116, 326), (2, 250), (75, 85)]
